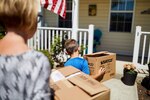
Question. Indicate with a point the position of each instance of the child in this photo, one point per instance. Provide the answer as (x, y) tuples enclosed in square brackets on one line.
[(73, 49)]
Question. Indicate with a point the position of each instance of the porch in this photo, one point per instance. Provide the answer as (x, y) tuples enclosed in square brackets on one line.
[(115, 41), (44, 38)]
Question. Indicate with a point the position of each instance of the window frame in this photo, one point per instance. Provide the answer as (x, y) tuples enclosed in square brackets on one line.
[(121, 11), (67, 11)]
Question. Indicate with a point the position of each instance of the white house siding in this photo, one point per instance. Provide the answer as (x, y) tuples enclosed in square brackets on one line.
[(142, 19), (118, 42)]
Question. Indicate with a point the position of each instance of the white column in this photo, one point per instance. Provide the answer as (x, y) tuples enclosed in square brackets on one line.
[(136, 44), (90, 38), (75, 19)]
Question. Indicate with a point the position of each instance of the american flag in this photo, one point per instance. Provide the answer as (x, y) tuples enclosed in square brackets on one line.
[(56, 6)]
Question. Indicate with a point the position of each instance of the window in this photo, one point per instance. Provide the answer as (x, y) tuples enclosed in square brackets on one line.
[(121, 15), (67, 22)]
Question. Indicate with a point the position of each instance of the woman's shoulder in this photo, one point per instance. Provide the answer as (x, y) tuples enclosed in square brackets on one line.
[(36, 55), (25, 53), (25, 56), (33, 53), (36, 58)]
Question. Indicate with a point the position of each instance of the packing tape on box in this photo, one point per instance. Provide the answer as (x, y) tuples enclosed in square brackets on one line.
[(57, 75), (72, 75)]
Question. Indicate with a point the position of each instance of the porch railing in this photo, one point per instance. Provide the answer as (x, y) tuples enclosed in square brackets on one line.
[(141, 53), (44, 37)]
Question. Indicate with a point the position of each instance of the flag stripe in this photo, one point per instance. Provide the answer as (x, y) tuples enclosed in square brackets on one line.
[(46, 4), (56, 6), (63, 11), (50, 3), (60, 8)]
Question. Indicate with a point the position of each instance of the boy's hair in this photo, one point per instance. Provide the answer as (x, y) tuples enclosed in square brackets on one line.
[(71, 46), (20, 15)]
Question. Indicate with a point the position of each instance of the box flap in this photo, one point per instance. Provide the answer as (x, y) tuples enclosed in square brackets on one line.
[(97, 54), (62, 84), (105, 95), (66, 71), (73, 93), (87, 83)]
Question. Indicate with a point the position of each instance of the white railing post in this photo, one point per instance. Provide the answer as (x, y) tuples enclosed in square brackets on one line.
[(90, 39), (75, 19), (136, 44)]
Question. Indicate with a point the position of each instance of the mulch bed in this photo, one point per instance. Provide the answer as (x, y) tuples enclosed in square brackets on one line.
[(141, 90)]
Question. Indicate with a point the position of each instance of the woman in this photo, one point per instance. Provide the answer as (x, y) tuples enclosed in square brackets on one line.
[(24, 73)]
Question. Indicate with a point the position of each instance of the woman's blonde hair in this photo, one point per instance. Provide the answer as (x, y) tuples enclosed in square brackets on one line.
[(19, 14)]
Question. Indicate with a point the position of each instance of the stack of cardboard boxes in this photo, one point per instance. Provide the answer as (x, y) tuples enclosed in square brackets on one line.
[(70, 83)]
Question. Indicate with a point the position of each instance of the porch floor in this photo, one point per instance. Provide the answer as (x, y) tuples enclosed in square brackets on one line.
[(120, 91)]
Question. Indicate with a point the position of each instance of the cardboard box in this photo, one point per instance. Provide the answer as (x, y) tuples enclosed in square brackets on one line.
[(73, 93), (102, 59), (60, 85), (77, 86)]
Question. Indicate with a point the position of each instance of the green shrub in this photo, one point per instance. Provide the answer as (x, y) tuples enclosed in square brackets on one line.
[(47, 53), (56, 48)]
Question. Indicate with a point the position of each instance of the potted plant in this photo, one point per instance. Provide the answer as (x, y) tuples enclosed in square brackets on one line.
[(129, 74)]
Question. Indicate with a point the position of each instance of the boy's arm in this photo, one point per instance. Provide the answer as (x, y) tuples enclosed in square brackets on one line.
[(100, 74)]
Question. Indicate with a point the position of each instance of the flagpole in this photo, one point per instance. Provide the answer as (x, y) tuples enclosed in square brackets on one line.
[(75, 19)]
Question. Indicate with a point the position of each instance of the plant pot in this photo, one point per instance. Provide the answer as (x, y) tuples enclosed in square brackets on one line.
[(129, 77), (149, 69)]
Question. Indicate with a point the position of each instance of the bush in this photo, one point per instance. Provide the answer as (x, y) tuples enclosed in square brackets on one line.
[(47, 53), (56, 53)]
